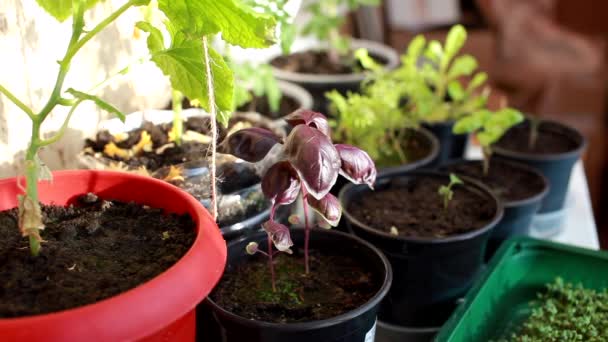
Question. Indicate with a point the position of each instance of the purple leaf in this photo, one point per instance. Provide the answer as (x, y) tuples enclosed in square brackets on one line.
[(315, 159), (357, 166), (279, 234), (309, 118), (250, 144), (281, 184), (328, 207)]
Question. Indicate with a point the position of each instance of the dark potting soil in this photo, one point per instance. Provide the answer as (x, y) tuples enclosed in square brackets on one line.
[(551, 139), (93, 251), (260, 105), (416, 209), (317, 62), (162, 154), (335, 285), (508, 182)]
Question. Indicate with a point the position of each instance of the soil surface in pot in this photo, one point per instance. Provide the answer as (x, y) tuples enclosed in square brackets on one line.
[(416, 209), (260, 105), (509, 182), (335, 285), (135, 153), (318, 62), (551, 139), (92, 251)]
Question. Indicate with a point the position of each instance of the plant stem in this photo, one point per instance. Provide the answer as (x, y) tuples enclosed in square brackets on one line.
[(177, 128), (62, 129), (534, 123), (213, 113), (271, 265), (31, 184), (17, 102), (306, 230), (487, 153)]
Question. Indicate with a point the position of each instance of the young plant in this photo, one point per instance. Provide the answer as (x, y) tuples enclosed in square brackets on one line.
[(488, 127), (432, 75), (446, 192), (374, 119), (325, 23), (566, 312), (307, 163), (194, 69), (256, 79)]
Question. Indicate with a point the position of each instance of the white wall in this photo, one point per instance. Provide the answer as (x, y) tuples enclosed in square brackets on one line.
[(31, 42)]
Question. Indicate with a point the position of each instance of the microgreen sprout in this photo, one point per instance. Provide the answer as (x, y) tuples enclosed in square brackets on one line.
[(446, 192), (306, 164), (489, 127)]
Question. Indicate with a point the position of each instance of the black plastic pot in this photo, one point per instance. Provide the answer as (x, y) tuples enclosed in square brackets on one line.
[(555, 167), (318, 84), (451, 146), (430, 274), (518, 214), (423, 136), (354, 326)]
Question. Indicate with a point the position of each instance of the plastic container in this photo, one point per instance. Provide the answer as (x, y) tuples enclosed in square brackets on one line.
[(318, 84), (358, 325), (451, 146), (519, 214), (498, 302), (430, 274), (160, 309), (555, 167)]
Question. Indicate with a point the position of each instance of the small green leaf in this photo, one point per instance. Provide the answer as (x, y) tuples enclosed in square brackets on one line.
[(237, 22), (61, 9), (471, 122), (184, 64), (454, 179), (155, 40), (454, 42), (455, 90), (479, 79), (288, 36), (366, 60), (99, 102), (434, 51), (462, 66)]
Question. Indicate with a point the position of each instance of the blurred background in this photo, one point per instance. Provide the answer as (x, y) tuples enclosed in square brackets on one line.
[(545, 57)]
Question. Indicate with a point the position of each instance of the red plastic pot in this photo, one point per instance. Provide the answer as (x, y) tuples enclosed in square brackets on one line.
[(161, 309)]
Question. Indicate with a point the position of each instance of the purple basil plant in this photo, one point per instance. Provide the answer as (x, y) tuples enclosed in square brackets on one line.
[(306, 163)]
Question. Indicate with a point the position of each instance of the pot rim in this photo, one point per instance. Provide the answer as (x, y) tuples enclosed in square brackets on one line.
[(575, 153), (208, 245), (432, 156), (301, 326), (516, 203), (429, 240), (307, 78)]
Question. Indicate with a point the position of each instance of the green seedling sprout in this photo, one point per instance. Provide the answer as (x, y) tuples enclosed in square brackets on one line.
[(256, 79), (445, 191), (195, 69), (325, 22), (488, 127), (534, 124)]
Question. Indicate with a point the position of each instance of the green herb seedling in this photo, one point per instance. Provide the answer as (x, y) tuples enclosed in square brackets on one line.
[(446, 191), (325, 22), (489, 127), (256, 79), (194, 69)]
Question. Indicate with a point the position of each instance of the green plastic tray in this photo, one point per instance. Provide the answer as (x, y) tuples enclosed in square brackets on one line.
[(498, 301)]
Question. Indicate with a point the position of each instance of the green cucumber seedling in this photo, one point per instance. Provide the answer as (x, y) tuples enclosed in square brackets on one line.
[(446, 192), (488, 127), (194, 69)]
